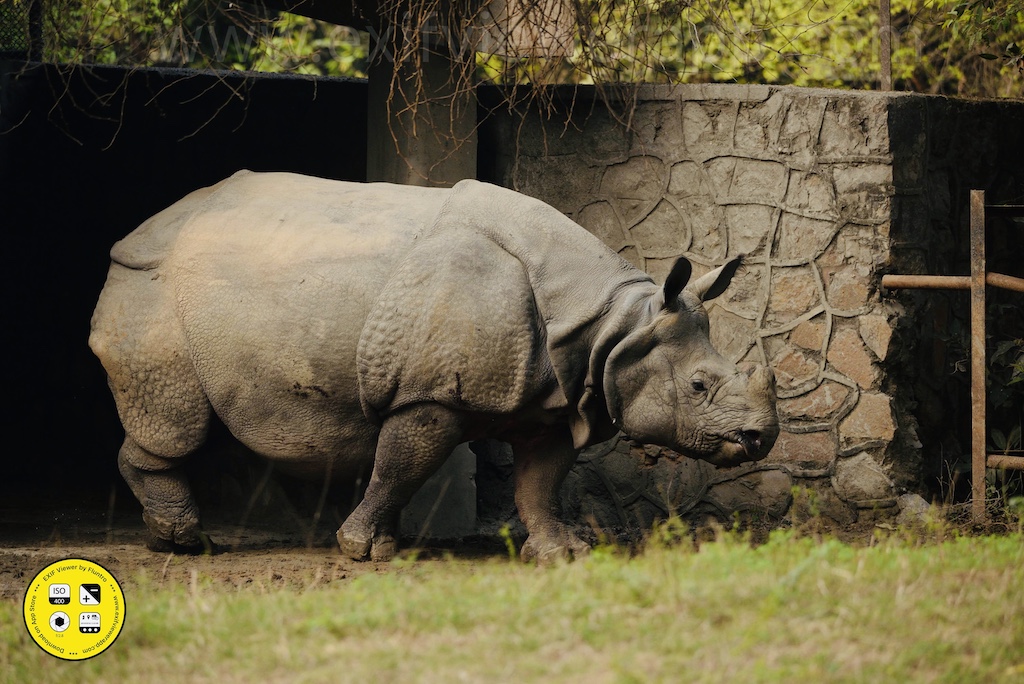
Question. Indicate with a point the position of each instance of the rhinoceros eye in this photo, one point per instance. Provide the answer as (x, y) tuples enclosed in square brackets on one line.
[(698, 386)]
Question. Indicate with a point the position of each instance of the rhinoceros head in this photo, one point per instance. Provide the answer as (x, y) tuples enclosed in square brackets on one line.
[(665, 384)]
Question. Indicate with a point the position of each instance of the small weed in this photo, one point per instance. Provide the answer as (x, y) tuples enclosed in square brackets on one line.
[(510, 545)]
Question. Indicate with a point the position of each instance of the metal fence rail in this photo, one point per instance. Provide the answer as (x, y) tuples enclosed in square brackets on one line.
[(21, 29), (976, 283)]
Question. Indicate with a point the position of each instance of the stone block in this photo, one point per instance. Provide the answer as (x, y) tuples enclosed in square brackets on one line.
[(445, 506), (745, 295), (876, 332), (664, 233), (563, 182), (731, 335), (812, 193), (707, 128), (757, 181), (809, 334), (658, 130), (720, 172), (752, 124), (765, 492), (914, 510), (708, 230), (849, 287), (863, 191), (799, 125), (817, 406), (794, 368), (801, 237), (805, 449), (871, 420), (854, 126), (794, 292), (602, 140), (638, 178), (848, 355), (750, 225), (860, 479), (817, 499), (601, 220), (687, 179)]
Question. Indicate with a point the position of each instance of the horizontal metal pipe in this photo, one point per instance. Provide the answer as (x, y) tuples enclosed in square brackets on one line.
[(1006, 282), (926, 282), (1007, 462), (934, 282)]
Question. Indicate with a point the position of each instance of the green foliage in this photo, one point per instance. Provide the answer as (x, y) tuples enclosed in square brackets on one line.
[(995, 22), (798, 42), (939, 46), (199, 34), (301, 45)]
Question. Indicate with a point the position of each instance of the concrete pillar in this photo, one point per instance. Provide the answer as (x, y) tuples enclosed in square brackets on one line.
[(422, 124)]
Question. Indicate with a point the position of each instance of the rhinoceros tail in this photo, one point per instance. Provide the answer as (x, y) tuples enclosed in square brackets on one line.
[(147, 246)]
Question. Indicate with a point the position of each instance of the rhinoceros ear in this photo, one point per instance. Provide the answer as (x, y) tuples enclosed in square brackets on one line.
[(714, 283), (676, 281)]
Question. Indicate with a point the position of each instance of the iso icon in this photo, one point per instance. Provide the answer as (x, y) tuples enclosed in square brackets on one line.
[(60, 594)]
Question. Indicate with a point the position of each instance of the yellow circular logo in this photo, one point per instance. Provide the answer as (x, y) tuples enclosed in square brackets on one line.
[(74, 609)]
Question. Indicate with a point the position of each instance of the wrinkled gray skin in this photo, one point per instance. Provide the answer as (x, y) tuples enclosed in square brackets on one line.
[(339, 327)]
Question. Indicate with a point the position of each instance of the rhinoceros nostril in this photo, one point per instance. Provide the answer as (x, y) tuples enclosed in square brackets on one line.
[(750, 440), (750, 435)]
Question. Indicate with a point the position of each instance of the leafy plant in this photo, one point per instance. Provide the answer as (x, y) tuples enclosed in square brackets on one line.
[(985, 21), (939, 46)]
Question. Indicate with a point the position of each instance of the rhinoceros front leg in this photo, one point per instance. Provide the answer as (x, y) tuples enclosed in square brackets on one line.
[(541, 464), (168, 508), (412, 445)]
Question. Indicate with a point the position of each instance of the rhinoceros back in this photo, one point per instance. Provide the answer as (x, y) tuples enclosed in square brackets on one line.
[(147, 246)]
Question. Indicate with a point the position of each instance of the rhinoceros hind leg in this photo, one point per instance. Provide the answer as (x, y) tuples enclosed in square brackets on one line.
[(168, 507), (412, 445), (541, 464)]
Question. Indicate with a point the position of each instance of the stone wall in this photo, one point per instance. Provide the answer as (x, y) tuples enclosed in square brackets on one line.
[(807, 184)]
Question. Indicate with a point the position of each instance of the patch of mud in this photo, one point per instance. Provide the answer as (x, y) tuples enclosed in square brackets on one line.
[(260, 556)]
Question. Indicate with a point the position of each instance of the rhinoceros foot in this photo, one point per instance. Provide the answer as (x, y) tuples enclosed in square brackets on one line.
[(203, 547), (361, 547), (173, 535), (552, 548)]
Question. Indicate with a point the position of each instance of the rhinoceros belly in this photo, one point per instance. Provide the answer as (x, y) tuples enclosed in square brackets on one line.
[(273, 284)]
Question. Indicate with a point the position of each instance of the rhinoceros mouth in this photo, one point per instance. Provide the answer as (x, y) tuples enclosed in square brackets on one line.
[(739, 447), (749, 441)]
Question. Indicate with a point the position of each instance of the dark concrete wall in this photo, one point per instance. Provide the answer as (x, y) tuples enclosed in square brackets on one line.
[(85, 156), (942, 149)]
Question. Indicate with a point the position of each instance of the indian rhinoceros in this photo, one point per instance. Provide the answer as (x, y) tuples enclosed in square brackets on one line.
[(336, 327)]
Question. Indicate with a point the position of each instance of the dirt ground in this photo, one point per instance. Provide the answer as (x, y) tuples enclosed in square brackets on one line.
[(275, 545), (260, 555)]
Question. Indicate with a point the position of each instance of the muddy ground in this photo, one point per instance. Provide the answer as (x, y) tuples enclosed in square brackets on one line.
[(276, 546)]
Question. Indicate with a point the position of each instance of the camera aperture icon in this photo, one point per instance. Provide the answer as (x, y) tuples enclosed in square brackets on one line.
[(59, 621)]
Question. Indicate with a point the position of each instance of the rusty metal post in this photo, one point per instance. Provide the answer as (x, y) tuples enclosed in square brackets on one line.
[(978, 399)]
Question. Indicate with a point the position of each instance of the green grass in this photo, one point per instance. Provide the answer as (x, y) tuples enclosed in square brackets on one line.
[(792, 609)]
